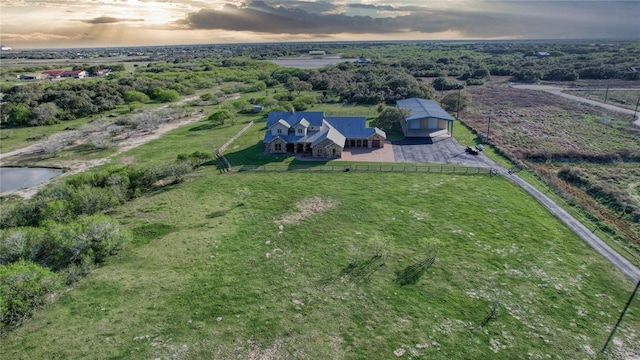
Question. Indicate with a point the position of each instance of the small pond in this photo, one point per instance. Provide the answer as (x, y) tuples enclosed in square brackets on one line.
[(14, 178)]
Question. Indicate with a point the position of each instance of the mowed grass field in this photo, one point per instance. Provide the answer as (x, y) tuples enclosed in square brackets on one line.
[(312, 266)]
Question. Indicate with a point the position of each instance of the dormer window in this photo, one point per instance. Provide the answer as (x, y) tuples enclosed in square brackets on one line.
[(299, 131), (279, 131)]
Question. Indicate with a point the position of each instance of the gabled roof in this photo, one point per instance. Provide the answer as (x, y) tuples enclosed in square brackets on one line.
[(353, 127), (330, 133), (313, 118), (303, 122), (281, 122), (422, 108)]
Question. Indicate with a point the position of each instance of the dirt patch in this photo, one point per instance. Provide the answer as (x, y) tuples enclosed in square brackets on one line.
[(306, 208)]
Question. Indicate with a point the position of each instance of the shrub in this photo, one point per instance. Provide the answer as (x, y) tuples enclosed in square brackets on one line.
[(23, 287), (135, 96), (165, 95)]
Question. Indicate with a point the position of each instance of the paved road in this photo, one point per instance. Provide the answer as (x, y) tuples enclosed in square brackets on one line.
[(559, 92)]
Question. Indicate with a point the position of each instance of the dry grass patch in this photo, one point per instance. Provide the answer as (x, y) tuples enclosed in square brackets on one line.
[(306, 208)]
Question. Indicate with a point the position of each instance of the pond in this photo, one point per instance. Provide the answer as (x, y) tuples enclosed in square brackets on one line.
[(14, 178)]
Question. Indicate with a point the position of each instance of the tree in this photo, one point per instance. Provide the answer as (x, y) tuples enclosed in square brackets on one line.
[(455, 101), (300, 86), (220, 116), (390, 119), (44, 114), (19, 115)]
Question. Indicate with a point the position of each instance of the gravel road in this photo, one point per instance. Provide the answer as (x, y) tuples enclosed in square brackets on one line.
[(559, 92)]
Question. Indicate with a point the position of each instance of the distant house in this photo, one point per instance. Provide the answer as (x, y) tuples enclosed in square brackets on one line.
[(542, 54), (5, 48), (313, 133), (425, 118), (65, 74), (317, 53), (103, 72), (32, 77)]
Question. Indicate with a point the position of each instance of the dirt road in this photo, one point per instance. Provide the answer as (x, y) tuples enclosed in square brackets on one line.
[(559, 91)]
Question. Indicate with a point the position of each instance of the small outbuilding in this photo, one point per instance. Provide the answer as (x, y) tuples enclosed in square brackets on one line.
[(425, 118)]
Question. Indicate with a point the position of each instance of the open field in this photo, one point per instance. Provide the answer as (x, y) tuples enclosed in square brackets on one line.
[(549, 134), (297, 265), (337, 264), (623, 98)]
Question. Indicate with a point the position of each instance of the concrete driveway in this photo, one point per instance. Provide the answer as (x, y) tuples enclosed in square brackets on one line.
[(441, 150)]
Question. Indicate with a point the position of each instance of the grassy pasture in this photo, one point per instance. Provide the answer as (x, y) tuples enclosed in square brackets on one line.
[(532, 126), (212, 275)]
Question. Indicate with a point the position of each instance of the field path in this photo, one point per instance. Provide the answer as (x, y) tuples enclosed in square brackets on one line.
[(559, 91), (582, 231)]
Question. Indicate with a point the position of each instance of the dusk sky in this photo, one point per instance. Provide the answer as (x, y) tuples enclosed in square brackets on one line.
[(102, 23)]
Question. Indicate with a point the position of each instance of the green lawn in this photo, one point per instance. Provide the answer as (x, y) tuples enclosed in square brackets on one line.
[(212, 275)]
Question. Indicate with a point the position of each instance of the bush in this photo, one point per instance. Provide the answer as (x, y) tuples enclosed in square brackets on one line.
[(165, 95), (195, 159), (135, 96), (23, 287)]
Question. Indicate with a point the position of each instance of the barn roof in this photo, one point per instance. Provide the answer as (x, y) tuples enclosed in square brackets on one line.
[(422, 108)]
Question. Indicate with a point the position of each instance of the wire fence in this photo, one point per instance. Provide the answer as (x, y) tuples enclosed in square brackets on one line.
[(368, 168)]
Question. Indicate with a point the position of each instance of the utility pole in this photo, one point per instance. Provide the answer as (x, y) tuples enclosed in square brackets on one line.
[(615, 327), (635, 112), (488, 127), (606, 95)]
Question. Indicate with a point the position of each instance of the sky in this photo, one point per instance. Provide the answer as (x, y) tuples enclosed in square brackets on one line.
[(28, 24)]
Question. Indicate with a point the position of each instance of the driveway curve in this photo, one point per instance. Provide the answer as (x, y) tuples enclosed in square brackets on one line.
[(624, 265), (559, 91)]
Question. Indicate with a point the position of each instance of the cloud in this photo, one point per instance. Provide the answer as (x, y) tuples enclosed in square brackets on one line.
[(108, 20), (472, 19)]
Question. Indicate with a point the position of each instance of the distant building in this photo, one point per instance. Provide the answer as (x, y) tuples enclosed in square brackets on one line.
[(78, 74), (4, 48), (32, 77), (317, 53), (542, 54), (362, 60)]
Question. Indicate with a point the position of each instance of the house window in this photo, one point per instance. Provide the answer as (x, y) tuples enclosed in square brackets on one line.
[(299, 131), (277, 147), (279, 131)]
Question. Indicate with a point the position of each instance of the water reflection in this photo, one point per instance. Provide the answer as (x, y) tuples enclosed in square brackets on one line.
[(13, 178)]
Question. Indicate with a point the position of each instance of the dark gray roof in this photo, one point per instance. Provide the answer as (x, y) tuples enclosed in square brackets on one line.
[(422, 108)]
